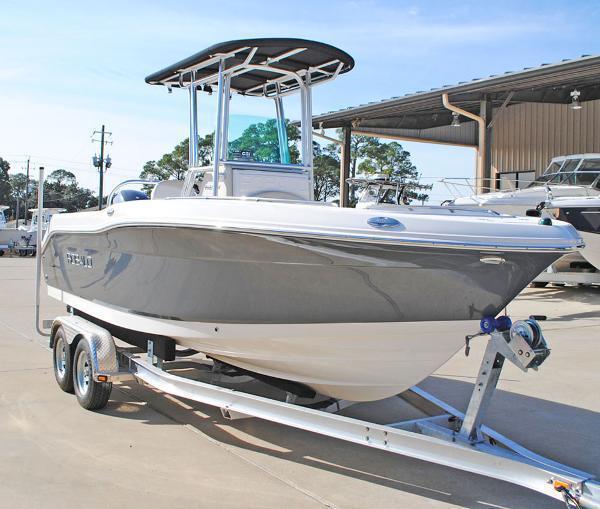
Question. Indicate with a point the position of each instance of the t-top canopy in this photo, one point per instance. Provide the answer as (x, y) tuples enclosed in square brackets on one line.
[(258, 67)]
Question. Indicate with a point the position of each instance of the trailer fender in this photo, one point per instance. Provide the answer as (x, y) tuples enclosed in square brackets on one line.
[(100, 341)]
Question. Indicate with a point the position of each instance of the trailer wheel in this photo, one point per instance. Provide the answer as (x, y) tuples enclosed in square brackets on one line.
[(63, 371), (91, 395)]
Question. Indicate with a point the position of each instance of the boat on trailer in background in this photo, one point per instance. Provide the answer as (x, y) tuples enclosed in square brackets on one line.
[(27, 241), (240, 264), (8, 236)]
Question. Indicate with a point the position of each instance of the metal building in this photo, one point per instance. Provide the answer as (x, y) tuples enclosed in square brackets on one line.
[(517, 121)]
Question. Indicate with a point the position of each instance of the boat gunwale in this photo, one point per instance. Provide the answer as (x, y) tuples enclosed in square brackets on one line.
[(323, 236)]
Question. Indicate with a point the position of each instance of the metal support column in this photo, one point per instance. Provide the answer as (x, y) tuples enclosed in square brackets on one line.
[(345, 166), (309, 137), (38, 249), (225, 118), (487, 379), (218, 131), (193, 149), (485, 145)]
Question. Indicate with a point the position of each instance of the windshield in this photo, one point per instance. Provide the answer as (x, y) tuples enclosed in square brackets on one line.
[(557, 173), (553, 168), (264, 138), (587, 174), (371, 194)]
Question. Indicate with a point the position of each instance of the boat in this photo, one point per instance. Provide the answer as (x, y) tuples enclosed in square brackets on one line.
[(584, 214), (27, 239), (573, 176), (238, 262), (569, 176), (8, 236)]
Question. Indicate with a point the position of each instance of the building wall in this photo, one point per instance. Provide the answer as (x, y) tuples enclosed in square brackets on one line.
[(526, 136)]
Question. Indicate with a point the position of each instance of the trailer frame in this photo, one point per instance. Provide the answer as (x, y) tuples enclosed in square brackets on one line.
[(449, 437)]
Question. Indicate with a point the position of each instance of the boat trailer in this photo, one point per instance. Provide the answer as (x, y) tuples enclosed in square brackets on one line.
[(87, 361)]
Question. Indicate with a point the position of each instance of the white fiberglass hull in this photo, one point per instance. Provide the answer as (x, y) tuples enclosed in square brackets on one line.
[(591, 252), (9, 236), (354, 361)]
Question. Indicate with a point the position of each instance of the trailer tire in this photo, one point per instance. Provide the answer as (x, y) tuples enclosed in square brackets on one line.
[(91, 395), (62, 361)]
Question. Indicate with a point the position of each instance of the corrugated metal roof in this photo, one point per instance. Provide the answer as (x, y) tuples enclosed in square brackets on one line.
[(547, 83)]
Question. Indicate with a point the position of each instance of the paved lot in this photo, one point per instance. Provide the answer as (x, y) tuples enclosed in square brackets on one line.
[(152, 451)]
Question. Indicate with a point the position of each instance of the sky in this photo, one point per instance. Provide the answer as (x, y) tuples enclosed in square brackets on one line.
[(66, 68)]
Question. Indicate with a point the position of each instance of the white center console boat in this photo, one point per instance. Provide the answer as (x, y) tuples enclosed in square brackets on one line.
[(26, 242), (238, 262)]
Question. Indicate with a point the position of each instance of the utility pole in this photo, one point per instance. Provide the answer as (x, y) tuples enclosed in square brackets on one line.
[(26, 192), (101, 163)]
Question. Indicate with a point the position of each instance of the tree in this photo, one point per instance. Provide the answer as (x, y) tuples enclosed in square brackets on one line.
[(5, 189), (174, 165), (18, 183), (61, 190), (392, 160), (326, 172)]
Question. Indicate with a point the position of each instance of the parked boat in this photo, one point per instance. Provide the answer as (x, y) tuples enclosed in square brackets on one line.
[(575, 177), (584, 214), (238, 262), (27, 240), (8, 236)]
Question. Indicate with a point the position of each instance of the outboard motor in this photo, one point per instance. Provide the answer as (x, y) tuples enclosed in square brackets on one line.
[(129, 195)]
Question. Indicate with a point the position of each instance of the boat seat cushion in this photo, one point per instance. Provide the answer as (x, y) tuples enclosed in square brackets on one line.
[(167, 189)]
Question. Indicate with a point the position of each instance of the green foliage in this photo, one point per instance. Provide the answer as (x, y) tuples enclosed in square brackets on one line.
[(5, 188), (326, 172), (18, 182), (367, 156), (370, 156), (62, 190), (389, 159), (174, 165)]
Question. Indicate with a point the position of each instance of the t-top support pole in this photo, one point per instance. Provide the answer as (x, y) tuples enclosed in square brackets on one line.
[(306, 131), (218, 131), (193, 149), (225, 118)]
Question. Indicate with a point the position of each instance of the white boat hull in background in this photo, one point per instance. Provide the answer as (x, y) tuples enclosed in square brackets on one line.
[(591, 251)]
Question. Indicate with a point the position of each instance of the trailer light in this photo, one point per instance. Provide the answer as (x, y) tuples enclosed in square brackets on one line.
[(560, 485), (102, 378)]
